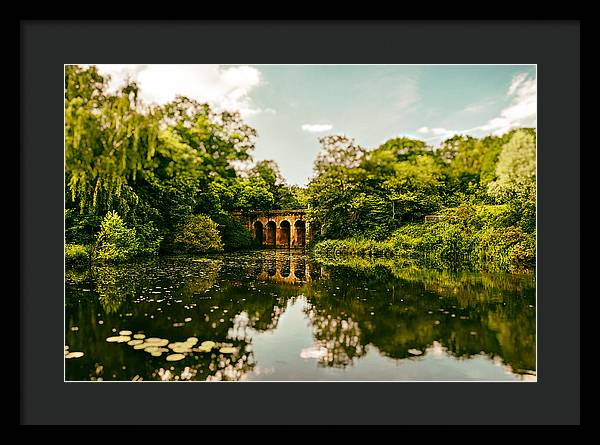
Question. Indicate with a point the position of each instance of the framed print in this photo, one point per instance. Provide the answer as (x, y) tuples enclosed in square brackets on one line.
[(335, 220)]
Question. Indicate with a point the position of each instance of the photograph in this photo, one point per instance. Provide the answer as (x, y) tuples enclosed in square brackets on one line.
[(299, 222)]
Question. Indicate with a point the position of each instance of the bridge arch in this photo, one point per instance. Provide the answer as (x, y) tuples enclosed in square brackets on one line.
[(271, 236), (277, 228), (285, 234), (258, 232), (300, 232)]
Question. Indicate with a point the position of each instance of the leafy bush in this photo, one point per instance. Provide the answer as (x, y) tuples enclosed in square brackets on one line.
[(149, 239), (233, 233), (199, 234), (80, 227), (471, 237), (115, 242), (76, 255), (353, 247)]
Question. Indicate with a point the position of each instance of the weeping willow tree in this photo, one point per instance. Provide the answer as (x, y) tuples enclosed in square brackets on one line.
[(109, 139), (154, 165)]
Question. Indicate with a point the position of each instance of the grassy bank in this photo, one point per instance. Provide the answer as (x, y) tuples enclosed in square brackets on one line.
[(486, 238)]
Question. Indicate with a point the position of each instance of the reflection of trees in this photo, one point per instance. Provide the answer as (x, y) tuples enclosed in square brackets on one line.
[(202, 277), (150, 297), (351, 306), (466, 313), (340, 336), (112, 289)]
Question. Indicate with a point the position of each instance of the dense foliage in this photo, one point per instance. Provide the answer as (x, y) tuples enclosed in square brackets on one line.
[(198, 234), (156, 166), (142, 178), (373, 202)]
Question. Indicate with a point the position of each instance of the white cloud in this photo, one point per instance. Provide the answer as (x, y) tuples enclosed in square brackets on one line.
[(316, 128), (437, 133), (225, 88), (474, 108), (522, 110)]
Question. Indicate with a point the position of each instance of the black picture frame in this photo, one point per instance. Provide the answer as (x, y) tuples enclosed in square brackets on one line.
[(47, 45)]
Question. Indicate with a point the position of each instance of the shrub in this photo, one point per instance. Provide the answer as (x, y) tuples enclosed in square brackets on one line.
[(80, 228), (234, 234), (115, 242), (76, 255), (198, 234), (149, 239), (472, 237)]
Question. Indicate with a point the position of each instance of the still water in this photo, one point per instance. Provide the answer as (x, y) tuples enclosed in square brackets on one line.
[(280, 315)]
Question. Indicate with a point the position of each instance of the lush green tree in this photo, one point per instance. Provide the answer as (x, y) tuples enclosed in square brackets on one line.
[(115, 241), (414, 188), (292, 197), (337, 152), (234, 234), (199, 234), (516, 169), (338, 178), (253, 194), (109, 139)]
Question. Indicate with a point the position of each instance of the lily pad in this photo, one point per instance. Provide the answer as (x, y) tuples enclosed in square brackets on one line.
[(227, 350), (118, 339), (208, 344), (154, 339), (175, 357), (153, 348), (135, 342), (139, 336), (157, 341), (74, 355), (125, 332)]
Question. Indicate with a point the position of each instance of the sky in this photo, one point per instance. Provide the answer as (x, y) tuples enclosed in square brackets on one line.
[(291, 106)]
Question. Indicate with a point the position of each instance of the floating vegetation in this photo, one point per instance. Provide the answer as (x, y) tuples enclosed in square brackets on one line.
[(118, 339), (227, 350), (157, 341), (139, 336), (175, 357), (135, 342), (180, 347), (74, 354), (125, 332)]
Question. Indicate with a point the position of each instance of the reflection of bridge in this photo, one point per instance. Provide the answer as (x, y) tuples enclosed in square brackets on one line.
[(285, 268), (277, 228)]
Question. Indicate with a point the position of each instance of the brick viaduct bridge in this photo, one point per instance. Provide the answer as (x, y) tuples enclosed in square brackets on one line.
[(277, 228)]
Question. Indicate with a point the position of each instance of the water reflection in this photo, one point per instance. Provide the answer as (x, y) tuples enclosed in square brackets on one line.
[(300, 319), (283, 267)]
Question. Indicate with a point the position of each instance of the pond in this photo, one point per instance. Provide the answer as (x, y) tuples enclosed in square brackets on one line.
[(278, 315)]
